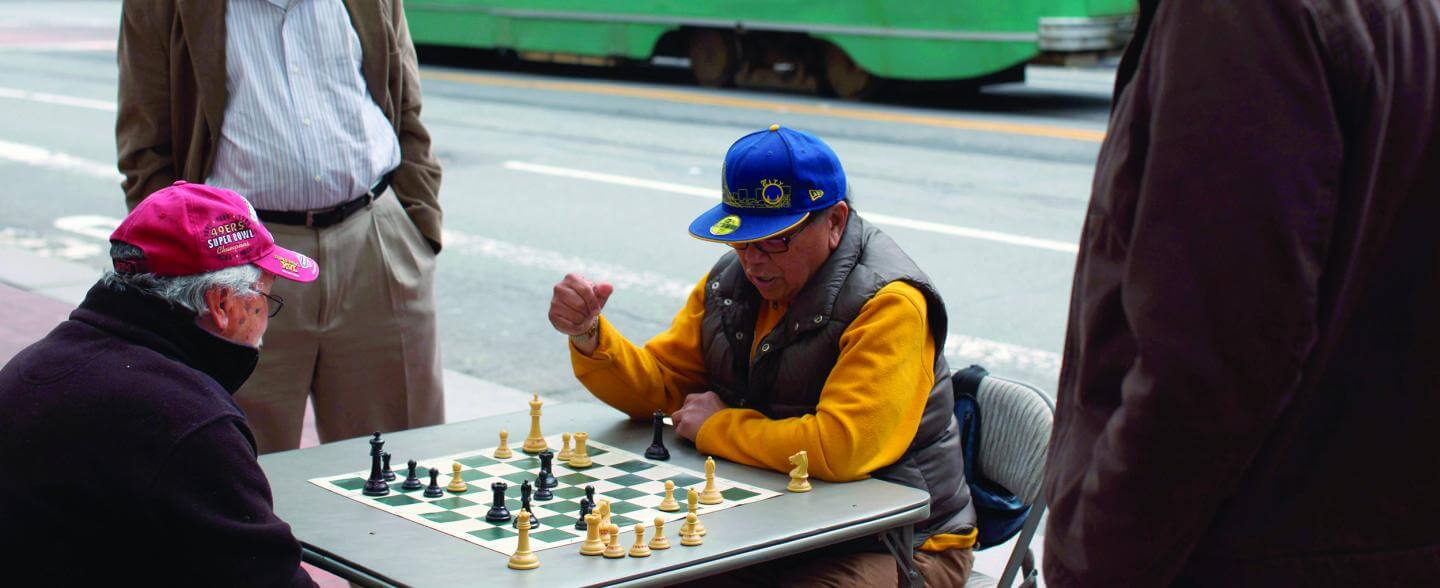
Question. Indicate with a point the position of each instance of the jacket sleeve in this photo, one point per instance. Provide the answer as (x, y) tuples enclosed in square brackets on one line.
[(213, 496), (638, 380), (417, 180), (142, 123), (1224, 256)]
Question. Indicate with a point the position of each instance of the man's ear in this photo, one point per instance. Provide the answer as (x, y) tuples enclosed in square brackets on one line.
[(215, 300), (839, 216)]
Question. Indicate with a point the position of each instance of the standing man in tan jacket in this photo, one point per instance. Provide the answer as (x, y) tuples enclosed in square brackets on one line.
[(311, 110)]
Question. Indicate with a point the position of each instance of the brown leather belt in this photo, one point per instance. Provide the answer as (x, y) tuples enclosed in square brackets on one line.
[(325, 217)]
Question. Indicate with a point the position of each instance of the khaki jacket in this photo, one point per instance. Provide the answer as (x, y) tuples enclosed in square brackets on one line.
[(173, 95)]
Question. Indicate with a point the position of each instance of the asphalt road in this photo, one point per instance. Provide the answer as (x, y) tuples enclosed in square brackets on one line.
[(550, 171)]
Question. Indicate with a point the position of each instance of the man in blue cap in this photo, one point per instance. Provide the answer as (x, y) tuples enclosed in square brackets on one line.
[(814, 332)]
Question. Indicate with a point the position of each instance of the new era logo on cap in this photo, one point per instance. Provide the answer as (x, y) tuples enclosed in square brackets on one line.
[(188, 229)]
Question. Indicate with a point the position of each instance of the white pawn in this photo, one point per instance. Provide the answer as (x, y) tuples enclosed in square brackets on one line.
[(660, 541), (692, 498), (503, 451), (614, 550), (524, 559), (692, 538), (564, 454), (669, 504), (639, 549)]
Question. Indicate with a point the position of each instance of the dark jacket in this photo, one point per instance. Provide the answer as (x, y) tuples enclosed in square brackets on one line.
[(785, 378), (1249, 394), (127, 460), (173, 95)]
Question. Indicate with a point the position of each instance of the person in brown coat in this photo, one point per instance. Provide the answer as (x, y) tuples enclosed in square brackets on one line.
[(311, 109), (1249, 392)]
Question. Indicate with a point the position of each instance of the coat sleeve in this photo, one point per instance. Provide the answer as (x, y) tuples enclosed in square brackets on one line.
[(417, 180), (143, 143), (1219, 287), (211, 490)]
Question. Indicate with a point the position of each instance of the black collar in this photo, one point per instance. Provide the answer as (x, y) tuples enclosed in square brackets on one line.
[(171, 330)]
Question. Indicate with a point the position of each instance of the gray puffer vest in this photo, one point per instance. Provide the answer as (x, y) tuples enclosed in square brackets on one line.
[(790, 367)]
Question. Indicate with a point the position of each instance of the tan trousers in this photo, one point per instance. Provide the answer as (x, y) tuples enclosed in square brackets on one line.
[(360, 340), (947, 569)]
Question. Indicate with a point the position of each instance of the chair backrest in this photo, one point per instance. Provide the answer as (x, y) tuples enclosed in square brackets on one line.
[(1016, 420)]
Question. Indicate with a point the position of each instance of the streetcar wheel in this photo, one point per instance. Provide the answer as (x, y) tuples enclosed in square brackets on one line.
[(844, 78), (712, 58)]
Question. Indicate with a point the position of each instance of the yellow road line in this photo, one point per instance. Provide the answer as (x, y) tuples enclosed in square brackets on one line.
[(1050, 132)]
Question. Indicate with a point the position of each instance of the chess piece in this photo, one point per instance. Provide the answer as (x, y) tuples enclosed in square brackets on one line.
[(564, 448), (585, 509), (669, 504), (375, 485), (524, 559), (434, 491), (660, 541), (457, 484), (535, 443), (692, 498), (613, 550), (657, 448), (547, 469), (503, 451), (385, 466), (580, 458), (525, 505), (412, 482), (604, 515), (692, 538), (711, 494), (800, 476), (498, 513), (639, 549), (593, 545), (542, 492), (590, 495)]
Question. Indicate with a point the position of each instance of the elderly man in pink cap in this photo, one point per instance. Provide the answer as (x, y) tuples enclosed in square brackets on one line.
[(122, 445)]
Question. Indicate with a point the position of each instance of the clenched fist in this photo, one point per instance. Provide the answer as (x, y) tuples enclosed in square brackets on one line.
[(575, 309)]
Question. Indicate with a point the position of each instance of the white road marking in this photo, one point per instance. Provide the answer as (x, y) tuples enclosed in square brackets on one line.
[(45, 158), (43, 97), (879, 219), (960, 349), (72, 46)]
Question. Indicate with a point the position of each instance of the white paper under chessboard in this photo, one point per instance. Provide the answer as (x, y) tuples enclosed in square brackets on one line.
[(633, 485)]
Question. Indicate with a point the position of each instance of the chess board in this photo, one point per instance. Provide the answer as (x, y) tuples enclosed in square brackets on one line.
[(633, 485)]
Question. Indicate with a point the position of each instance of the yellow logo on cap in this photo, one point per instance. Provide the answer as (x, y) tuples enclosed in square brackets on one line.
[(816, 195), (286, 264), (725, 226), (772, 191)]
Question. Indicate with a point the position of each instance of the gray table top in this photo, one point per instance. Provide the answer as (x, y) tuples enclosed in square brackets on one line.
[(353, 539)]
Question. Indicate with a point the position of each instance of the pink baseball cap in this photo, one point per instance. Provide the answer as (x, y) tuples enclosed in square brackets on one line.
[(188, 229)]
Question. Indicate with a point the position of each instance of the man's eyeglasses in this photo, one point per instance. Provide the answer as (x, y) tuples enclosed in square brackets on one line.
[(776, 244), (276, 303)]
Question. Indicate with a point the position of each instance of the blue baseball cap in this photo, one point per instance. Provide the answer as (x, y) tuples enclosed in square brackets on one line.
[(772, 180)]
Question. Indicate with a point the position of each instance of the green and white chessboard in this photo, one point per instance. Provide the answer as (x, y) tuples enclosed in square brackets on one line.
[(633, 485)]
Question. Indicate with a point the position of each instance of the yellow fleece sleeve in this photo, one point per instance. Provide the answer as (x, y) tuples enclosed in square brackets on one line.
[(639, 380), (870, 406)]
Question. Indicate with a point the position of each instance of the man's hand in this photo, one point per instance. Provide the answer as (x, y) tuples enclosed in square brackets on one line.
[(697, 409), (575, 310)]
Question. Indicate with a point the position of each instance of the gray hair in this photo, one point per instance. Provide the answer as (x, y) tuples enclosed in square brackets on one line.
[(187, 292)]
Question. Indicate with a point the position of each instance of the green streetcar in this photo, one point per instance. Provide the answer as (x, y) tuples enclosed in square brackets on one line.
[(843, 47)]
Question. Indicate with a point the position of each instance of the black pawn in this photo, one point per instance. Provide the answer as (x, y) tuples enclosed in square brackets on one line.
[(498, 513), (389, 473), (590, 494), (375, 485), (434, 491), (542, 492), (585, 509), (657, 448), (412, 482), (546, 480), (525, 506)]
